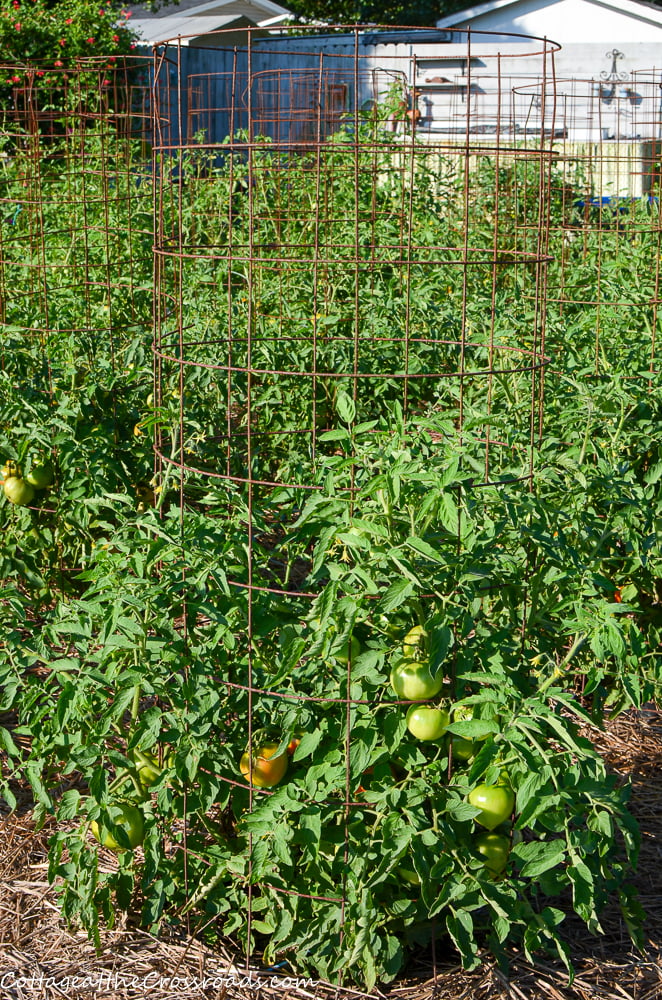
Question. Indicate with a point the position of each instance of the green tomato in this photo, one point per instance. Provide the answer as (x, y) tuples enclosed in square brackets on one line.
[(414, 643), (18, 491), (495, 802), (386, 626), (10, 468), (494, 848), (40, 475), (147, 766), (412, 681), (426, 722), (129, 818), (343, 654), (462, 749)]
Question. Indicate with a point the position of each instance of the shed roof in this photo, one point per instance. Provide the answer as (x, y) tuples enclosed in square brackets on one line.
[(192, 18)]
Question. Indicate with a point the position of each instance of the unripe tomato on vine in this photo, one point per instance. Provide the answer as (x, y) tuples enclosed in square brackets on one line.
[(40, 475), (266, 768), (126, 816), (18, 491), (495, 802), (412, 681)]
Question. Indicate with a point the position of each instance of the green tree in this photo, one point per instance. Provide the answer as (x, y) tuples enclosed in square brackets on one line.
[(40, 40), (414, 12)]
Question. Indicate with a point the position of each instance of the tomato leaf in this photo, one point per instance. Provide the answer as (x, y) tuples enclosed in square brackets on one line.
[(474, 729), (460, 926), (396, 595), (539, 857)]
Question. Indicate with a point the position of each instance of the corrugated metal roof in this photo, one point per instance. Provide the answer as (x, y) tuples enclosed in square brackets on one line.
[(208, 8), (158, 30)]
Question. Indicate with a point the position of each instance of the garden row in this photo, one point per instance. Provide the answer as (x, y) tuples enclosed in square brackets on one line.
[(369, 468)]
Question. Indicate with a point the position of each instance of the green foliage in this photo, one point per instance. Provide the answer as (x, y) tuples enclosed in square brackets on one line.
[(403, 12), (137, 618)]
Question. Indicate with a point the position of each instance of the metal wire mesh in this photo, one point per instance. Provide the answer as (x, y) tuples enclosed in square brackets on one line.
[(75, 241), (604, 282), (75, 286), (335, 271)]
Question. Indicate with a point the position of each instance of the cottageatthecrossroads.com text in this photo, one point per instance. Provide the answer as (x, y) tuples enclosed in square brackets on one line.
[(113, 982)]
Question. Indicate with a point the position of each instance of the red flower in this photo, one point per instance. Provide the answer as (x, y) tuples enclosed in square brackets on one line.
[(90, 41), (101, 12), (105, 83), (116, 38), (18, 25), (16, 5), (16, 79), (58, 62), (112, 58), (63, 41), (40, 72), (69, 20)]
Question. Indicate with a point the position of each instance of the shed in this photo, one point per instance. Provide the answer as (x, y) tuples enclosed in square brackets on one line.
[(196, 22)]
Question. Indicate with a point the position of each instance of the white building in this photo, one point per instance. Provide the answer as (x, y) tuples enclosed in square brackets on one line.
[(588, 31)]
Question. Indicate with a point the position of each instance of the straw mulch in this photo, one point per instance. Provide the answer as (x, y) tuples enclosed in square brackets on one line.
[(55, 963)]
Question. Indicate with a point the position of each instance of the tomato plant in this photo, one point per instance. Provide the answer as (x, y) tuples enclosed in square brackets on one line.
[(169, 625), (409, 875)]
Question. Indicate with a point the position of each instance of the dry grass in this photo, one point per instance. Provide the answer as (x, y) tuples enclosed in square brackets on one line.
[(132, 964)]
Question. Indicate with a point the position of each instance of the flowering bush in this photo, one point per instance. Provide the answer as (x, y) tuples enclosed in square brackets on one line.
[(55, 36)]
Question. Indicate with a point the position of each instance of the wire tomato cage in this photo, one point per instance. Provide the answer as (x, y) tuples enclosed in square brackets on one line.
[(76, 204), (75, 263), (603, 285), (349, 352)]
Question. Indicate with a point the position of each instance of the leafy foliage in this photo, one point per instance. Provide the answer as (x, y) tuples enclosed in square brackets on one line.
[(140, 614), (414, 12)]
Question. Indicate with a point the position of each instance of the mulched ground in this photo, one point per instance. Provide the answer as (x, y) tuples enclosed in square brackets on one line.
[(41, 960)]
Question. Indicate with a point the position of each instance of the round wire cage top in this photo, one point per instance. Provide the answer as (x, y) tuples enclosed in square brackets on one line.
[(297, 90), (346, 228)]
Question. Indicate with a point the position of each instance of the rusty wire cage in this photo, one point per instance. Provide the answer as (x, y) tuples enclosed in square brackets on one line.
[(75, 244), (349, 304), (349, 300), (604, 282), (76, 205)]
